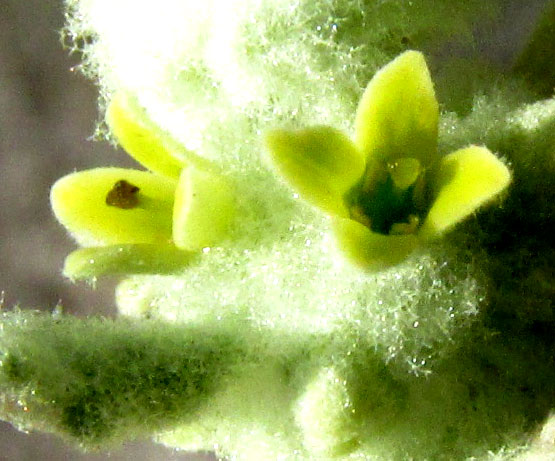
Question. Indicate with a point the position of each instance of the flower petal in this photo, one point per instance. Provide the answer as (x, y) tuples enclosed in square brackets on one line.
[(203, 211), (142, 139), (398, 114), (88, 263), (370, 250), (321, 163), (464, 180), (79, 202)]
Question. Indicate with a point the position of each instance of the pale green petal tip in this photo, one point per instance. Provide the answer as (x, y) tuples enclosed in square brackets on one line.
[(320, 163), (141, 138), (204, 209), (106, 206), (398, 113), (369, 250), (464, 181), (89, 263)]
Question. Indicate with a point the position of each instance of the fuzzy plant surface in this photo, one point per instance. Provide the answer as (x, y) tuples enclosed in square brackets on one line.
[(338, 244)]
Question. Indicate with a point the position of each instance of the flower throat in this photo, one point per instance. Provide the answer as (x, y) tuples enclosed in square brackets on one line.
[(394, 202)]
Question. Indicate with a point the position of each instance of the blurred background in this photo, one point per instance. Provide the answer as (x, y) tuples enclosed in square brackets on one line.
[(48, 114)]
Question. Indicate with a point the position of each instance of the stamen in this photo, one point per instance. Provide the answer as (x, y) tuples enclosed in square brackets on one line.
[(374, 176), (404, 172), (402, 228), (123, 195), (419, 193), (357, 213)]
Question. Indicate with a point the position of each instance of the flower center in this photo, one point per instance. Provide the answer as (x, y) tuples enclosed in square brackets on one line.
[(393, 199)]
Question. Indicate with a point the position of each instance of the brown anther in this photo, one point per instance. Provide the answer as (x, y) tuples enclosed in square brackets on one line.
[(123, 195), (403, 228), (357, 214)]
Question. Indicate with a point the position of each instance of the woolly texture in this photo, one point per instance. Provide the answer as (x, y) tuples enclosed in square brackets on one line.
[(131, 382), (271, 344)]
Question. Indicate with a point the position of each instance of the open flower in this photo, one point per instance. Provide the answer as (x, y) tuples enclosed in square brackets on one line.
[(389, 190), (141, 221)]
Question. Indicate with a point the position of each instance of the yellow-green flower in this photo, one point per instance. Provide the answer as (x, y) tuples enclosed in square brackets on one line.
[(389, 190), (140, 221)]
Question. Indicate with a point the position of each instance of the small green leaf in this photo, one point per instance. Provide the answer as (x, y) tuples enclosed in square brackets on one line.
[(204, 209), (142, 139), (321, 163), (86, 204), (370, 250), (465, 180), (88, 263), (398, 114)]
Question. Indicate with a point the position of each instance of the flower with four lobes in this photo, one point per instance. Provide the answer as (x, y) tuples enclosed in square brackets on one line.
[(388, 191), (133, 221)]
